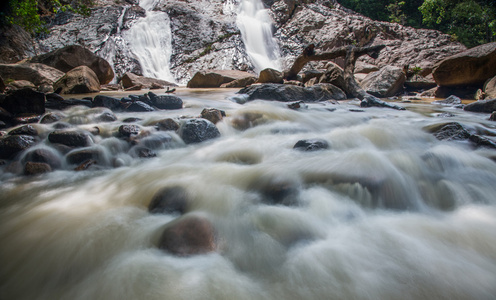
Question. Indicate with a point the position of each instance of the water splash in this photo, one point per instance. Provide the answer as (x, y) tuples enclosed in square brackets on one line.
[(255, 25)]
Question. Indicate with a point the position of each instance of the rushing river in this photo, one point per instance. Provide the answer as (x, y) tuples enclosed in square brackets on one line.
[(387, 212)]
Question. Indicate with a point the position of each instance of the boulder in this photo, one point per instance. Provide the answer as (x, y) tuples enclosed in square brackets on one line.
[(270, 76), (24, 101), (450, 101), (311, 145), (333, 75), (138, 106), (79, 80), (165, 101), (129, 130), (142, 152), (38, 74), (73, 56), (189, 235), (71, 138), (108, 102), (61, 103), (212, 114), (239, 83), (167, 125), (130, 80), (36, 168), (451, 131), (490, 88), (468, 68), (363, 67), (290, 93), (169, 200), (13, 144), (216, 78), (198, 130), (484, 106), (106, 116), (44, 155), (79, 156), (371, 101), (24, 130), (386, 82), (20, 84)]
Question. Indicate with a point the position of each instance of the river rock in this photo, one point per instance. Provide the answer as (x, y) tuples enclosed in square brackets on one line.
[(36, 168), (169, 200), (106, 116), (129, 80), (452, 131), (490, 88), (239, 83), (198, 130), (386, 82), (71, 138), (167, 124), (492, 117), (469, 68), (371, 101), (129, 130), (212, 114), (73, 56), (290, 93), (311, 145), (78, 156), (484, 106), (59, 102), (108, 102), (450, 101), (189, 235), (270, 76), (38, 74), (138, 106), (24, 130), (44, 155), (25, 101), (166, 101), (79, 80), (14, 144), (216, 78)]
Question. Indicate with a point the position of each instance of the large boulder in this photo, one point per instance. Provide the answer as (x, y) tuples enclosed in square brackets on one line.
[(386, 82), (70, 57), (270, 76), (490, 88), (289, 93), (24, 101), (216, 78), (468, 68), (38, 74), (484, 106), (130, 80), (79, 80)]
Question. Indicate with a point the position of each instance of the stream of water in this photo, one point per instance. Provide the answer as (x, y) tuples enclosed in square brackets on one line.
[(387, 212)]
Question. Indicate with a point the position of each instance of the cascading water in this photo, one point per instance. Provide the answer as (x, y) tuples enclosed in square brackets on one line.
[(256, 32), (386, 212)]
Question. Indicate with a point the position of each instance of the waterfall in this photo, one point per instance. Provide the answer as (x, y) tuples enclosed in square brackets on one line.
[(255, 25)]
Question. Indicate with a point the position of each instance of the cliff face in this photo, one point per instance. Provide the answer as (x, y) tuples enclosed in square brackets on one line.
[(204, 35)]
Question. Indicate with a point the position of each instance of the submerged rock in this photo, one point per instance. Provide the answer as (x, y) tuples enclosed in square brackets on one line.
[(35, 168), (169, 200), (198, 130), (44, 155), (189, 235), (71, 138), (311, 145)]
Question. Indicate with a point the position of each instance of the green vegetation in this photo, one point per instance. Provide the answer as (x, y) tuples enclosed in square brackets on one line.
[(472, 22), (31, 15)]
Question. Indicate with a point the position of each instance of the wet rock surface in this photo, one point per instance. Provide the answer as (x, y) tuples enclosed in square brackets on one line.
[(198, 130), (289, 93)]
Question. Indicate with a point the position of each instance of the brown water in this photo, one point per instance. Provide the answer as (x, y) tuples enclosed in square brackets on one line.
[(388, 212)]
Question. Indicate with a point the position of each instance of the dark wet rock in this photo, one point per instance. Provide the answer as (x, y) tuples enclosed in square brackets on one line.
[(5, 116), (139, 106), (216, 78), (71, 138), (44, 155), (129, 80), (62, 125), (212, 114), (79, 156), (129, 130), (386, 82), (166, 101), (79, 80), (14, 144), (65, 103), (24, 101), (289, 93), (2, 125), (169, 200), (270, 76), (143, 98), (24, 130), (189, 235), (276, 191), (371, 101), (311, 145), (70, 57), (445, 115), (297, 105), (106, 116), (131, 120), (26, 118), (482, 141), (2, 85), (452, 131), (492, 117), (86, 165), (167, 125), (36, 168), (111, 103), (490, 88), (451, 100), (484, 106), (198, 130)]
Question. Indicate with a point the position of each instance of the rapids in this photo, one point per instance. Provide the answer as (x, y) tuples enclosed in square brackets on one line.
[(387, 212)]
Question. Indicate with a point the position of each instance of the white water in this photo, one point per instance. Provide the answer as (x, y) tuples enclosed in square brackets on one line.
[(150, 40), (388, 212), (255, 25)]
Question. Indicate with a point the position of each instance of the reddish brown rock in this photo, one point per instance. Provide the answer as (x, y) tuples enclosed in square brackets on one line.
[(216, 78), (79, 80)]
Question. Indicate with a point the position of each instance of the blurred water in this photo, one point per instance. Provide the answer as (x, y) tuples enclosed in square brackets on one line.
[(387, 212)]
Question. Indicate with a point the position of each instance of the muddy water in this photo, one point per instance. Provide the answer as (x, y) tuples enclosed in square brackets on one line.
[(387, 212)]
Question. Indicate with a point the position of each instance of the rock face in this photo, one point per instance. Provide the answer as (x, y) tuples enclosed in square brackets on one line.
[(70, 57), (289, 93), (216, 78), (386, 82), (469, 68), (79, 80), (129, 80)]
